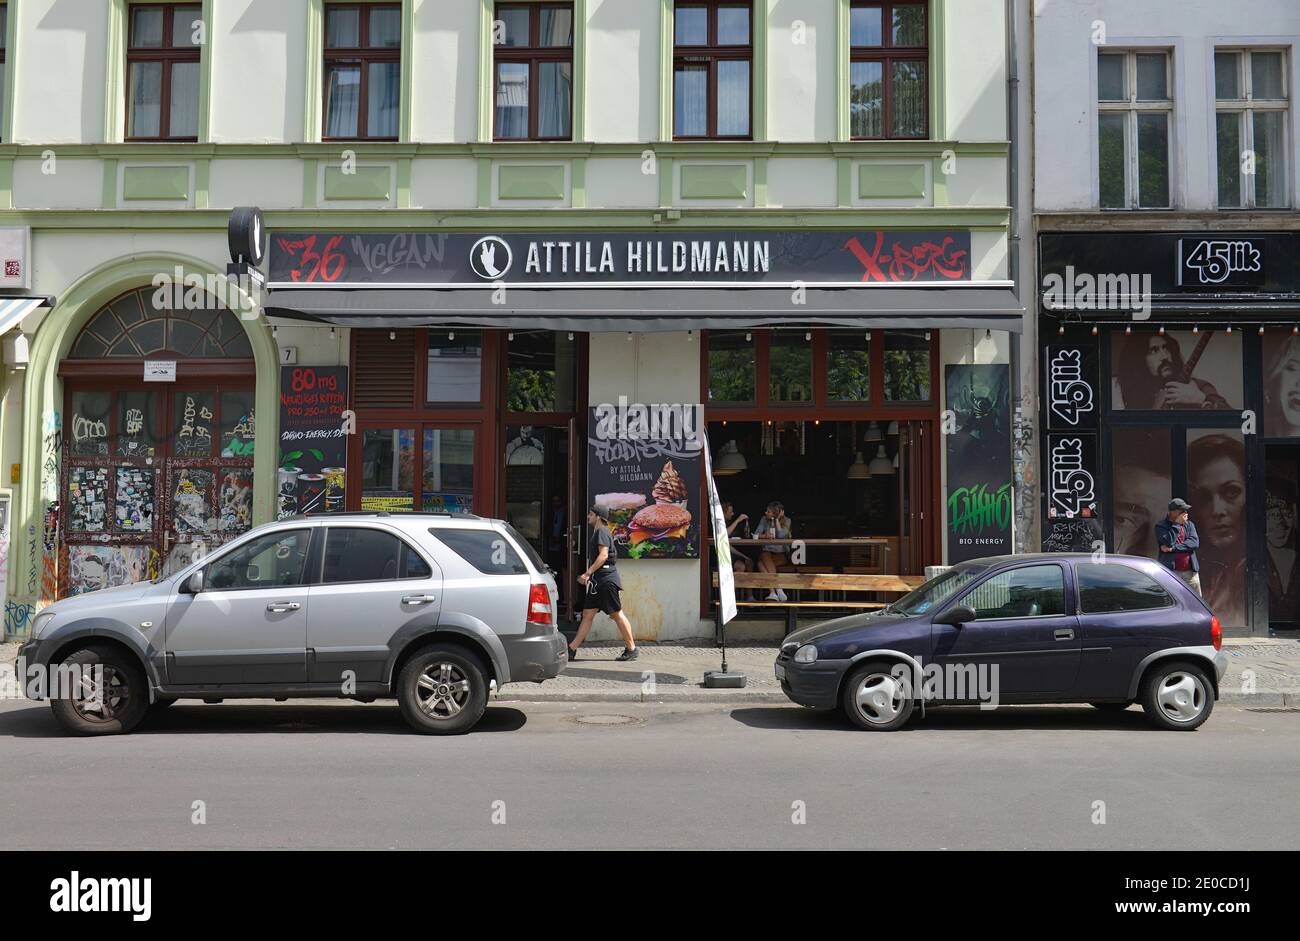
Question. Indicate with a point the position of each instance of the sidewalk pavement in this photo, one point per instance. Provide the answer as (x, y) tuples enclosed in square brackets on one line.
[(675, 673)]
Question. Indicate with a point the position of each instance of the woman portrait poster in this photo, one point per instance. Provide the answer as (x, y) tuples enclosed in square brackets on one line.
[(1216, 485), (1281, 384)]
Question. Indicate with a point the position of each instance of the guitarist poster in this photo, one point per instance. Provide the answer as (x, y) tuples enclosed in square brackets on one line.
[(1178, 369)]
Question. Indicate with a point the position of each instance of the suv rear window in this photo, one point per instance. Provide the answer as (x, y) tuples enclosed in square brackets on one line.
[(1109, 586), (485, 549), (368, 555)]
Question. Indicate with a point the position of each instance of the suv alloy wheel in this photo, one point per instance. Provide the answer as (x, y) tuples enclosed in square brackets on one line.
[(442, 690)]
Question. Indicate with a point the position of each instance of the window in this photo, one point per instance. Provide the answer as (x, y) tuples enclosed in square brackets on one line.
[(363, 68), (275, 560), (731, 366), (790, 367), (485, 549), (355, 554), (889, 86), (162, 61), (541, 371), (1250, 91), (712, 61), (4, 25), (1133, 111), (533, 60), (907, 366), (1029, 592), (454, 366), (1106, 586), (848, 366)]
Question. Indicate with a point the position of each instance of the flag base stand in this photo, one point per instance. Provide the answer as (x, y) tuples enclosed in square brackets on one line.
[(720, 679)]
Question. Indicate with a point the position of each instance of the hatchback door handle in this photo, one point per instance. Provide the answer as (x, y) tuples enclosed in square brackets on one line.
[(418, 599), (279, 607), (1066, 634)]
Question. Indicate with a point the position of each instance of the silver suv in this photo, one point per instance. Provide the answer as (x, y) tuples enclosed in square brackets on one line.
[(429, 608)]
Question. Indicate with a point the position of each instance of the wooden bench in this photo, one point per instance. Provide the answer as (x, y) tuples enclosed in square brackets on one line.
[(821, 581)]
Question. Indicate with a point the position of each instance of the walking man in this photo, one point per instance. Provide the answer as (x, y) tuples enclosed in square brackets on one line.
[(603, 585), (1176, 536)]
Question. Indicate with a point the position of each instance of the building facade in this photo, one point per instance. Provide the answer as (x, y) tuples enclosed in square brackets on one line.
[(481, 222), (1165, 147)]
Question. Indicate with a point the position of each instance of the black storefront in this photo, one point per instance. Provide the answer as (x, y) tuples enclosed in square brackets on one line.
[(1170, 366)]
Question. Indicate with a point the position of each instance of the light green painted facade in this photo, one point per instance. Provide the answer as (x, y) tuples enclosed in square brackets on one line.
[(107, 215)]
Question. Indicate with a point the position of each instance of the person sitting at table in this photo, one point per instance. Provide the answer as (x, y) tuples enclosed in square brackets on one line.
[(776, 525), (739, 561)]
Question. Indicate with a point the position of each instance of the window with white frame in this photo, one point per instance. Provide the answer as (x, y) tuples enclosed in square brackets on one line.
[(1134, 111), (1251, 105)]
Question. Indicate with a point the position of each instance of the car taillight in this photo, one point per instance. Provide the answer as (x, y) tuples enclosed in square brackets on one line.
[(539, 605), (1216, 633)]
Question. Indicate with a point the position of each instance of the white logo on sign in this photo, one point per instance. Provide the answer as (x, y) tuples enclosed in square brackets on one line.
[(1214, 260), (1072, 485), (1070, 394), (490, 258)]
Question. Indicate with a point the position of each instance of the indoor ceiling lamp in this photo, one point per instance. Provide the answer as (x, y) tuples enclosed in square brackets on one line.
[(873, 434), (892, 430), (881, 464), (730, 461), (859, 470)]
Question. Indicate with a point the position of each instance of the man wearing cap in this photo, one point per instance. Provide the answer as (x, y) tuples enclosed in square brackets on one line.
[(1176, 536)]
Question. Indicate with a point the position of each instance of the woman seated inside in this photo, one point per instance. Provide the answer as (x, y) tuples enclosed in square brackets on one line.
[(739, 561), (775, 525)]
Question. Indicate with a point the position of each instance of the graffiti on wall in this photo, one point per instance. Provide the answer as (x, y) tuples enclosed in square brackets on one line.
[(1024, 473), (91, 568)]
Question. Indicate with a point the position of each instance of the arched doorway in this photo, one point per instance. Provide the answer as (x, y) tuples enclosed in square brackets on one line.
[(153, 472)]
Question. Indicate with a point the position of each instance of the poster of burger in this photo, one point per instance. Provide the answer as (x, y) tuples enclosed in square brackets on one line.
[(643, 476)]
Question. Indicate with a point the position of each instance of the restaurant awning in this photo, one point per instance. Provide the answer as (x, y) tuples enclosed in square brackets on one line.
[(642, 309)]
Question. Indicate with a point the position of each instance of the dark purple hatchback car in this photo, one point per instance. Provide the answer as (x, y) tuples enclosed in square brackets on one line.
[(1047, 628)]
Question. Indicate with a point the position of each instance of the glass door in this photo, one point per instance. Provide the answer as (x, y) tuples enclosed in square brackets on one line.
[(540, 495)]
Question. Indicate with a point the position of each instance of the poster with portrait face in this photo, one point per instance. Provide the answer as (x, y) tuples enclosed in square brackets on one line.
[(1141, 491), (1176, 370), (1216, 489), (1280, 541), (1281, 384)]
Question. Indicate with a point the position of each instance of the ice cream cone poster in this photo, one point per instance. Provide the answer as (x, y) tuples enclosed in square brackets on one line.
[(644, 477)]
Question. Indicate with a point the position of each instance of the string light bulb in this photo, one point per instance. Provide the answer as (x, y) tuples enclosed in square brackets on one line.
[(1228, 328), (1261, 329), (1295, 330), (392, 334), (1060, 331), (1094, 329), (1162, 329), (1128, 330), (1196, 328)]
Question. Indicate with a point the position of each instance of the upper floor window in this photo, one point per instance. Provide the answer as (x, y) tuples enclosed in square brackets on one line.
[(533, 85), (4, 24), (1250, 92), (363, 66), (713, 51), (163, 72), (1134, 106), (889, 57)]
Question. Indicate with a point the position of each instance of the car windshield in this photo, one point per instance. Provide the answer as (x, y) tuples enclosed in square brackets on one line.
[(936, 591)]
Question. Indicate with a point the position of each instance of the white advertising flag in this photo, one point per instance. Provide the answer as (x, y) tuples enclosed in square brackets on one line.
[(721, 545)]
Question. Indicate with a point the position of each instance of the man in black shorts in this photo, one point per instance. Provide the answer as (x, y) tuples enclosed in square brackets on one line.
[(602, 586)]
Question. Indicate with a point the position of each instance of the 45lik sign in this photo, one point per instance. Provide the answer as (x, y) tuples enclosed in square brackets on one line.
[(569, 259)]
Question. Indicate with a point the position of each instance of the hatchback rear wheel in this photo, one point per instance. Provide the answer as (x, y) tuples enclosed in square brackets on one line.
[(1177, 696), (442, 690)]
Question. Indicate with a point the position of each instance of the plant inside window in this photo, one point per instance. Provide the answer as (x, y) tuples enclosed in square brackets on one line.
[(1250, 92), (162, 62), (889, 83), (1134, 107), (713, 55), (363, 71), (533, 71)]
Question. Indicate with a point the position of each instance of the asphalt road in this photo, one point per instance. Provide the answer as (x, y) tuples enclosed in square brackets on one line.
[(627, 775)]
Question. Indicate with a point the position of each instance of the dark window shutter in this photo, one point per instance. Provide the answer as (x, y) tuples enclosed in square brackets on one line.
[(384, 376)]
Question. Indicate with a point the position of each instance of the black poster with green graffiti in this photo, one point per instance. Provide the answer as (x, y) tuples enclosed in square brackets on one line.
[(977, 428)]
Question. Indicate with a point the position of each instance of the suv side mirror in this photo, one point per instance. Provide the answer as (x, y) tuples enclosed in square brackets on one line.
[(194, 584), (957, 615)]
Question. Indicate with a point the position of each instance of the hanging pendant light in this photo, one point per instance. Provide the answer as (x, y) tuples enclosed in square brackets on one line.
[(859, 470), (881, 464)]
